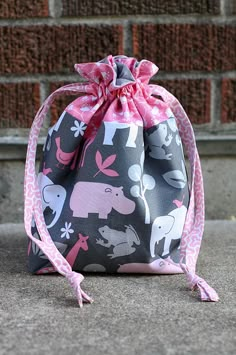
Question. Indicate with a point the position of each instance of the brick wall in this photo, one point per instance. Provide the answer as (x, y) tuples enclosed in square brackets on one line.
[(192, 42)]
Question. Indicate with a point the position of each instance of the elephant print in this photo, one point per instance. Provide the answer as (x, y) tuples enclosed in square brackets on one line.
[(110, 130), (53, 196), (159, 138), (94, 197), (160, 266), (169, 227), (54, 128)]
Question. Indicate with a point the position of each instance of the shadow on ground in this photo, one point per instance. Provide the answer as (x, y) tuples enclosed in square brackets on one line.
[(130, 315)]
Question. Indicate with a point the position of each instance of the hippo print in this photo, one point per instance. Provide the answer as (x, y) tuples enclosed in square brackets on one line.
[(94, 197)]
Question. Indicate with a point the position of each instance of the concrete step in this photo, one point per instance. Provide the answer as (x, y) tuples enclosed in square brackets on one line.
[(132, 314)]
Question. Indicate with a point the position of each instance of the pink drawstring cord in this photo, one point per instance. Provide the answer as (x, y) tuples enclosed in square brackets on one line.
[(33, 203), (194, 223), (207, 293)]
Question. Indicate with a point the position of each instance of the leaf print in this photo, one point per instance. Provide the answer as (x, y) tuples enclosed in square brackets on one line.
[(60, 246), (184, 170), (98, 158), (110, 172), (35, 248), (41, 255), (135, 191), (175, 178), (142, 160), (146, 182), (108, 161), (102, 166), (135, 172)]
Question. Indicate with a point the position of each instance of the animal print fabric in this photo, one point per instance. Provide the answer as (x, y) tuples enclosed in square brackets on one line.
[(112, 193)]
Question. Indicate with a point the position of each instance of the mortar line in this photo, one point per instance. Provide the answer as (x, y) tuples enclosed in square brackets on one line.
[(194, 75), (226, 7), (55, 8), (48, 78), (215, 103), (31, 78), (93, 21), (222, 8), (44, 93), (127, 42)]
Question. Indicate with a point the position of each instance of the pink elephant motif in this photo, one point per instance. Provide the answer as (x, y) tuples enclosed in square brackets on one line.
[(159, 266), (94, 197)]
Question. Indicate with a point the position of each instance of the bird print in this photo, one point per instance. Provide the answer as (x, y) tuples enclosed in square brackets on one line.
[(46, 171), (65, 158), (179, 203)]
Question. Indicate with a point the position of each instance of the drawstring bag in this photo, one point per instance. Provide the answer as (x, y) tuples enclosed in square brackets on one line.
[(112, 193)]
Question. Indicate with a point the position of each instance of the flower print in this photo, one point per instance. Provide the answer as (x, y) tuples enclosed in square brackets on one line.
[(66, 231), (155, 111), (71, 107), (78, 128)]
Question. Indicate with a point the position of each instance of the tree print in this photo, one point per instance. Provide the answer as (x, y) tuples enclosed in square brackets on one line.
[(146, 182)]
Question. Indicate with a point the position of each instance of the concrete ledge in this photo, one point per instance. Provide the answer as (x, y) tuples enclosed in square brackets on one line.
[(220, 145), (219, 176), (14, 148), (132, 314)]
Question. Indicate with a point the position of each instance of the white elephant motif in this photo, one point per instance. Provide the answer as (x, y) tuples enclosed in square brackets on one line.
[(157, 140), (170, 227), (53, 196), (55, 128), (110, 130)]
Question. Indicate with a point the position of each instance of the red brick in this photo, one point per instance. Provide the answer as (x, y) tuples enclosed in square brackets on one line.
[(228, 95), (23, 9), (61, 102), (55, 49), (185, 47), (18, 104), (85, 8), (194, 96)]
